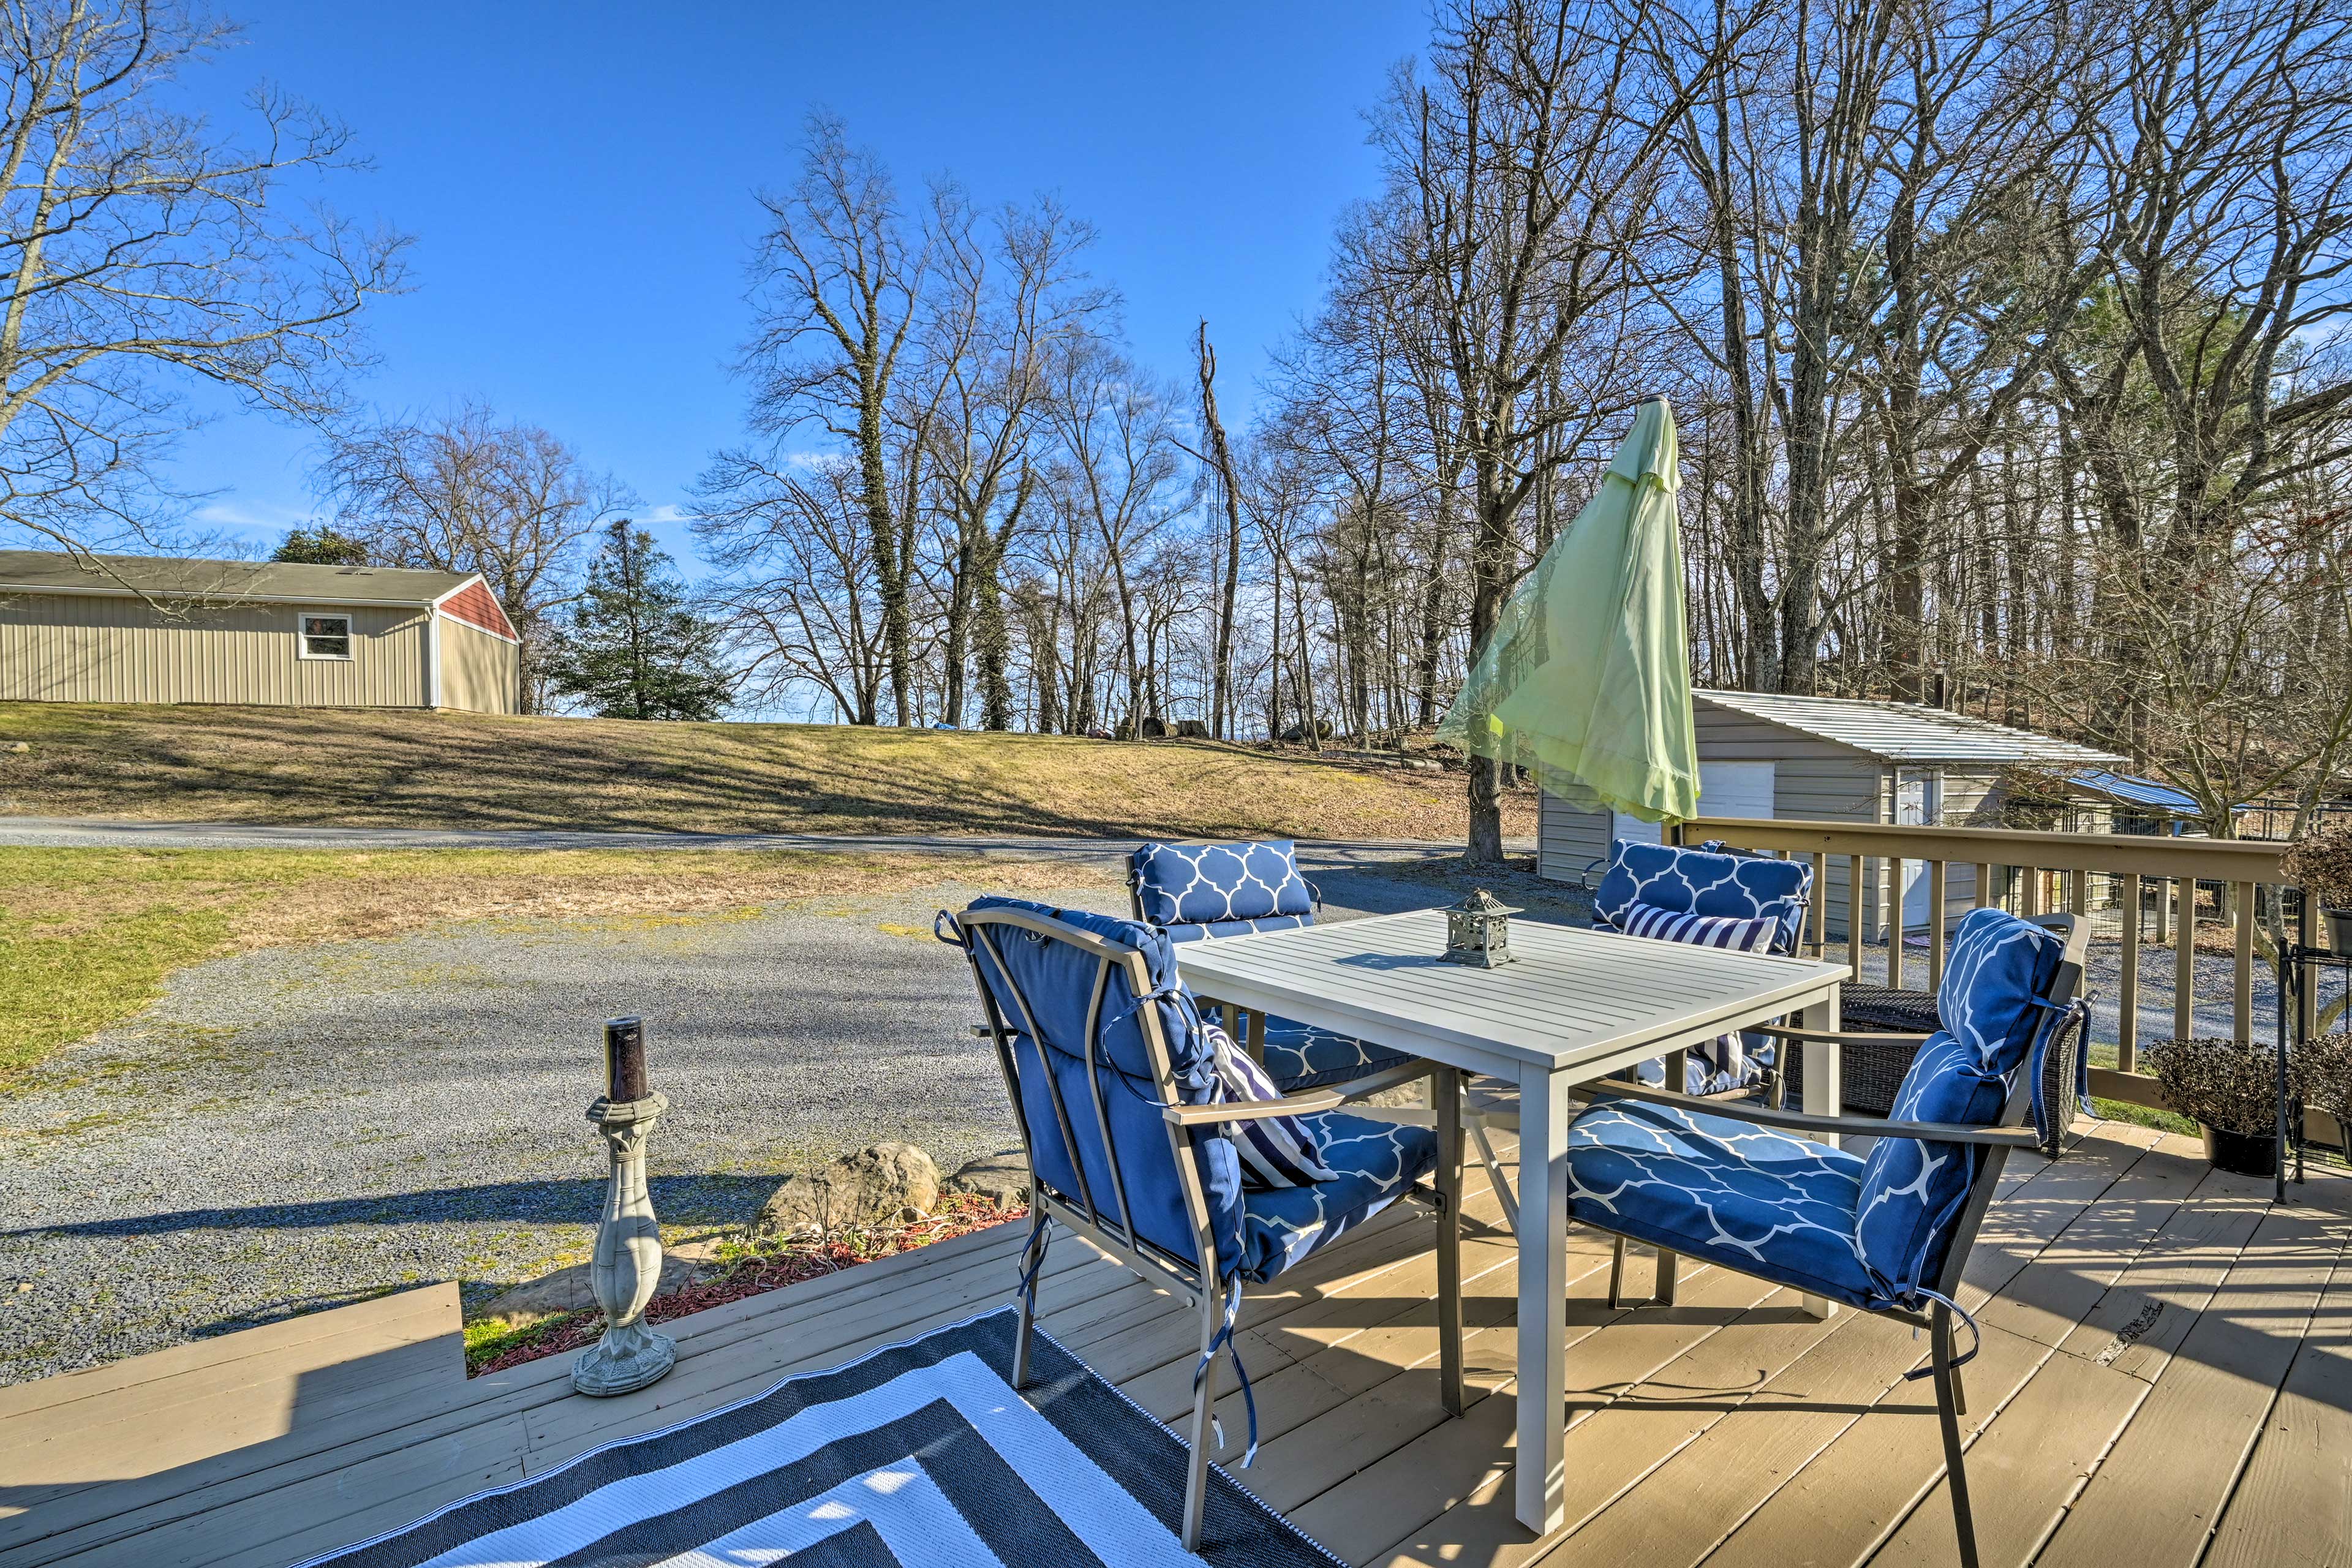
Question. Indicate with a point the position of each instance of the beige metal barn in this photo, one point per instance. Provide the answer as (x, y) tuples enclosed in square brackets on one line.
[(1832, 759), (140, 628)]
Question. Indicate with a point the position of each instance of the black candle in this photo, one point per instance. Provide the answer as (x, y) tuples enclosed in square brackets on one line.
[(625, 1060)]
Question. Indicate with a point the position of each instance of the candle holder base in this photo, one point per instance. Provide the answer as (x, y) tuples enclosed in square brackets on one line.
[(626, 1268), (623, 1360)]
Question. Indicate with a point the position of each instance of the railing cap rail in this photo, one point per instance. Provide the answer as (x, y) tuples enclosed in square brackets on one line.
[(2215, 860)]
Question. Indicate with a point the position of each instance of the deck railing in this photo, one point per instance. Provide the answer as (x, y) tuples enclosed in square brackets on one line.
[(2157, 882)]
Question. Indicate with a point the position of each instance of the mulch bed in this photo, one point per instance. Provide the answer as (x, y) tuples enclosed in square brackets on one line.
[(959, 1213)]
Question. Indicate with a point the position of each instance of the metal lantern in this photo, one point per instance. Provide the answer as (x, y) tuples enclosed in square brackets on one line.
[(1478, 931)]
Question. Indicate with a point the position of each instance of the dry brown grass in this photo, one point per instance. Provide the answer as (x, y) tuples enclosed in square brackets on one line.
[(88, 936), (400, 769)]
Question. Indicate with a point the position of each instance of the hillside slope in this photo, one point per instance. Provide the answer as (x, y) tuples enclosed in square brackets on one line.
[(404, 769)]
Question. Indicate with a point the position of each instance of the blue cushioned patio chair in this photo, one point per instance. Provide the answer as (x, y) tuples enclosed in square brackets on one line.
[(1707, 881), (1196, 893), (1888, 1232), (1110, 1075)]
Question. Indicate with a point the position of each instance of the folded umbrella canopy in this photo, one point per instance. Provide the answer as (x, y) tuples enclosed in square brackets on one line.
[(1586, 679)]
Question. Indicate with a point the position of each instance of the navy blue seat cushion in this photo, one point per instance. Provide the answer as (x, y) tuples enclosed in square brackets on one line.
[(2000, 970), (1701, 881), (1056, 981), (1762, 1202), (1217, 884), (1300, 1055), (1374, 1163)]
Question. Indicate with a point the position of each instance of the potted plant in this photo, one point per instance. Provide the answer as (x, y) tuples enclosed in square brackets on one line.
[(2321, 865), (2230, 1089)]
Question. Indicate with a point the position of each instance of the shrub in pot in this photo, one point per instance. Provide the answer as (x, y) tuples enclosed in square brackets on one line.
[(2230, 1089), (2321, 865)]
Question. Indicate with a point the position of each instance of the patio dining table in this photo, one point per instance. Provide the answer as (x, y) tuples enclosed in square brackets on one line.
[(1575, 1004)]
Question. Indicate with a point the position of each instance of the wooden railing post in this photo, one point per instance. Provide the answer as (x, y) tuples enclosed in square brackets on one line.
[(1984, 884), (1821, 910), (1934, 925), (1853, 913), (2184, 962), (2127, 990), (1892, 924), (2242, 1015)]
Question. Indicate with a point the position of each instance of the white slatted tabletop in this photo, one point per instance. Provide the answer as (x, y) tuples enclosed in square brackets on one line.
[(1576, 1005), (1575, 1000)]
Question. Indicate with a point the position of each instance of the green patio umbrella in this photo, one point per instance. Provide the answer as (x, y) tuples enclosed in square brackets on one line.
[(1587, 677)]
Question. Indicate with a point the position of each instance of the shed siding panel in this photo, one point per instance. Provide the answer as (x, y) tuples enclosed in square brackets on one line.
[(1567, 839), (480, 673), (74, 647)]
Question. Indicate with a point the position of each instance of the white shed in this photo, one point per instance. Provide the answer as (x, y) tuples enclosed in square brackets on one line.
[(1833, 759)]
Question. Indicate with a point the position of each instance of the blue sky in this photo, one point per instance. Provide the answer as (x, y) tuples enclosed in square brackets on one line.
[(579, 178)]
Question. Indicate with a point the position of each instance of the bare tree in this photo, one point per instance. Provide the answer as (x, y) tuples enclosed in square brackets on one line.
[(1529, 165), (1008, 294), (462, 491), (837, 288), (142, 252), (796, 582)]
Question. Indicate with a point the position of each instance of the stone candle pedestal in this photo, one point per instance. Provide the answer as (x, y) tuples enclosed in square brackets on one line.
[(628, 1263)]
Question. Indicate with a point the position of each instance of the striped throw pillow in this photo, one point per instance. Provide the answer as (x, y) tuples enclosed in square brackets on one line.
[(1700, 930), (1276, 1151)]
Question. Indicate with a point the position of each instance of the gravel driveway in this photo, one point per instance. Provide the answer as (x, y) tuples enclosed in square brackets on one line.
[(299, 1128)]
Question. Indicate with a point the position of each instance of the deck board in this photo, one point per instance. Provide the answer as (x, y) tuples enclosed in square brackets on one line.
[(2164, 1355)]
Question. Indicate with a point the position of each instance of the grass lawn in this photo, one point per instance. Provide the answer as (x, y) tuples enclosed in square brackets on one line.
[(405, 769), (88, 936)]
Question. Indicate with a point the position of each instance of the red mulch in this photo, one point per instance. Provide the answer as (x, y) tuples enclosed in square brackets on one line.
[(960, 1213)]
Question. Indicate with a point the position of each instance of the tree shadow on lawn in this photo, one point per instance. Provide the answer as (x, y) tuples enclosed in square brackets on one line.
[(709, 1198)]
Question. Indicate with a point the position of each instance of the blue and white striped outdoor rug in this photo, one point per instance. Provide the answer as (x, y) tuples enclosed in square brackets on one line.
[(920, 1455)]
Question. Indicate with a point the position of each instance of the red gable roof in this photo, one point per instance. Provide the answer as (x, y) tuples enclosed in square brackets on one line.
[(477, 606)]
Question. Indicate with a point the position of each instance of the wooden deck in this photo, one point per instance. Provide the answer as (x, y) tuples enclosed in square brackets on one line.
[(2167, 1378)]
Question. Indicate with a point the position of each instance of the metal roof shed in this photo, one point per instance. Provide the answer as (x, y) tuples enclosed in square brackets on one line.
[(144, 629), (1834, 759)]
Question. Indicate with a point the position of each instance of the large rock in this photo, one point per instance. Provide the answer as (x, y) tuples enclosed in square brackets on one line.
[(1002, 1178), (876, 1185), (568, 1290)]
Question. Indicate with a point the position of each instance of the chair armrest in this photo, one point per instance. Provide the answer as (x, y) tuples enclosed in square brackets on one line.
[(1836, 1037), (1304, 1103), (1799, 1122)]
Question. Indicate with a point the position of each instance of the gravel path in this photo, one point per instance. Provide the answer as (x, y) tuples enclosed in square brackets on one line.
[(299, 1128)]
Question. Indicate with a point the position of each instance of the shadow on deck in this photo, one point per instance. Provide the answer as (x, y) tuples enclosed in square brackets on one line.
[(2165, 1377)]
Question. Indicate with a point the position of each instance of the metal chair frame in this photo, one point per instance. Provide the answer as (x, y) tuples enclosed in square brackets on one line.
[(2009, 1132), (1199, 1282)]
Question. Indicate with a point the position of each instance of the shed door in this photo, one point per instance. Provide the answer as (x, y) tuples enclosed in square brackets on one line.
[(1725, 789), (1918, 802)]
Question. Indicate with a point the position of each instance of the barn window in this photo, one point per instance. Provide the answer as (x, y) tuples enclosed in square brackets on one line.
[(326, 636)]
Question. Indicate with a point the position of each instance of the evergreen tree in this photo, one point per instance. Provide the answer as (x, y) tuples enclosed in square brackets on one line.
[(636, 647), (322, 546)]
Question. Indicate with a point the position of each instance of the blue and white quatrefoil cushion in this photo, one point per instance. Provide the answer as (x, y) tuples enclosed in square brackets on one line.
[(1698, 882), (1204, 884)]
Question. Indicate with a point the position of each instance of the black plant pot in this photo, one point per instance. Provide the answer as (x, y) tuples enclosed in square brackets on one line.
[(2243, 1153)]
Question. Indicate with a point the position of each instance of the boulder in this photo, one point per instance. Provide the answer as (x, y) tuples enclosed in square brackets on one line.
[(1193, 728), (568, 1290), (1154, 729), (885, 1184), (1002, 1178)]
